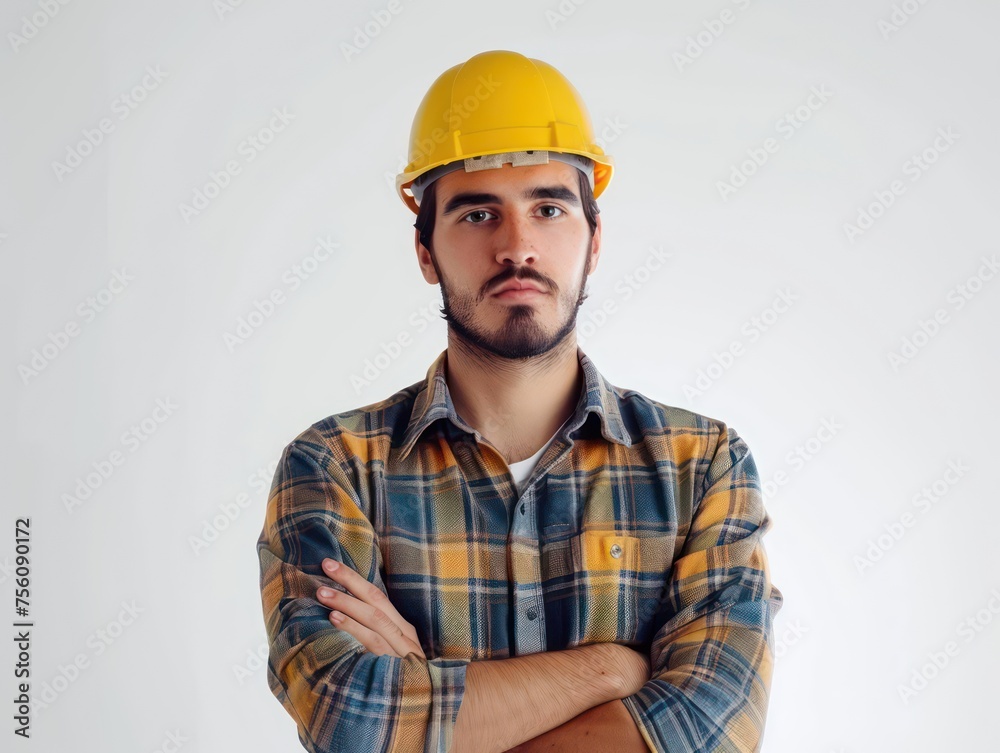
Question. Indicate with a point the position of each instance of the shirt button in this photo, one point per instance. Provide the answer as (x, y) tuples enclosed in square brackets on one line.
[(531, 613), (522, 508), (616, 551)]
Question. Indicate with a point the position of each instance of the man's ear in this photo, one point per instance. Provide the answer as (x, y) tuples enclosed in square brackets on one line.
[(595, 248), (424, 259)]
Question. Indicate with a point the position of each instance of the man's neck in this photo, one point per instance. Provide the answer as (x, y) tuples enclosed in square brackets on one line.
[(516, 405)]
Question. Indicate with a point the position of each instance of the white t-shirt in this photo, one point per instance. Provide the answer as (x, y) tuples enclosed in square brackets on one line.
[(522, 469)]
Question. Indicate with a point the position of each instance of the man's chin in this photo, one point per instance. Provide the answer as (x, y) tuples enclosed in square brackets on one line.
[(511, 349)]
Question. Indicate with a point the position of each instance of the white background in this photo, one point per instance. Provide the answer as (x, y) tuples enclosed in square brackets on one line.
[(851, 634)]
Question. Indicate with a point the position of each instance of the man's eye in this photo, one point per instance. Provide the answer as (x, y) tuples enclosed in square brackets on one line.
[(478, 212), (552, 206)]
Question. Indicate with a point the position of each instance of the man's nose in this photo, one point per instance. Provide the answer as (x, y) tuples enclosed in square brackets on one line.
[(516, 240)]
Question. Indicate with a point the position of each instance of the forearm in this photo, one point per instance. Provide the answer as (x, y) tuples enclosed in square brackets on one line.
[(607, 728), (510, 701)]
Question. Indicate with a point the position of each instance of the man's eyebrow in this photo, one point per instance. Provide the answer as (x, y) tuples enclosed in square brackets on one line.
[(460, 200)]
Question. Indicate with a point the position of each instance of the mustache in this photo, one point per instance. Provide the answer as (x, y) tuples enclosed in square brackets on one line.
[(523, 274)]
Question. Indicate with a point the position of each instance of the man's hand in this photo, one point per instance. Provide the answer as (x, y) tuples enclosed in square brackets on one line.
[(367, 614)]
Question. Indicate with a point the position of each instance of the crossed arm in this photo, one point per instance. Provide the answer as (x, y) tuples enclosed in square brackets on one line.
[(561, 700), (705, 685), (607, 728)]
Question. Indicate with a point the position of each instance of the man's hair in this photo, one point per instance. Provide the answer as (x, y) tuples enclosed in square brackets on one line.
[(428, 209)]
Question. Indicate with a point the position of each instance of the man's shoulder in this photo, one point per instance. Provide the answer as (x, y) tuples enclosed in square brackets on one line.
[(672, 427), (351, 432), (649, 413)]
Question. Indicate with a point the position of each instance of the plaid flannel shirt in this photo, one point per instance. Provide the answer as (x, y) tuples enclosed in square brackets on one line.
[(641, 525)]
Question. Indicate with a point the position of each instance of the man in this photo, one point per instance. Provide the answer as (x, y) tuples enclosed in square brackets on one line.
[(513, 554)]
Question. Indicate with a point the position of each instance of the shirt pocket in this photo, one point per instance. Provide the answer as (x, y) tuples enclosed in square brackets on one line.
[(604, 554), (621, 583)]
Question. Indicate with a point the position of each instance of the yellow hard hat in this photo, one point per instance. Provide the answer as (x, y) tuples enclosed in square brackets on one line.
[(500, 103)]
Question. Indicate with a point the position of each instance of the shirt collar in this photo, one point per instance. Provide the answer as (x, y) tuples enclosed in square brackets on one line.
[(433, 401)]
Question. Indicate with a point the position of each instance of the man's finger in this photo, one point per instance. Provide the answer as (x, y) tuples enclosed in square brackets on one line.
[(373, 640), (367, 638), (375, 629), (369, 593)]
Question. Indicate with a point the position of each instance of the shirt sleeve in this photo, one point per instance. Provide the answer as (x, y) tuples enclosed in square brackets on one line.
[(341, 696), (711, 660)]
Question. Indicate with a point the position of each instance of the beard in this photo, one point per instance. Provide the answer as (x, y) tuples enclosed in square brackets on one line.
[(521, 334)]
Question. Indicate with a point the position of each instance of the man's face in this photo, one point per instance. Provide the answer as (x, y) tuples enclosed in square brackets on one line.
[(511, 225)]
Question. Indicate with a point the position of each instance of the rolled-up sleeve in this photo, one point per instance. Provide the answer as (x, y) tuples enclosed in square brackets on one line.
[(341, 696), (711, 660)]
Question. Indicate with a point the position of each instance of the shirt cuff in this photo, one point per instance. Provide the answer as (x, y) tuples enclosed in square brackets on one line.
[(447, 688), (638, 716)]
